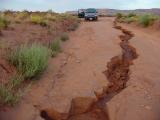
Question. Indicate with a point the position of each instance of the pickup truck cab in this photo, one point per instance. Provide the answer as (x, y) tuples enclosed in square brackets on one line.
[(91, 14), (81, 13)]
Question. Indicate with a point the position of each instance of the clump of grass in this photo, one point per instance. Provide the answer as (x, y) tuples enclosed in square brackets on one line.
[(10, 92), (30, 61), (15, 81), (3, 23), (55, 47), (39, 20), (64, 37), (8, 96), (146, 20)]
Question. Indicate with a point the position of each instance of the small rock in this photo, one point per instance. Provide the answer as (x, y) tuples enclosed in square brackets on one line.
[(78, 61), (64, 62), (100, 93)]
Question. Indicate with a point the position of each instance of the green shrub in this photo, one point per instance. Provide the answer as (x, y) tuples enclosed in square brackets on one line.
[(146, 20), (119, 15), (131, 15), (15, 81), (8, 96), (51, 18), (130, 19), (22, 15), (44, 23), (39, 20), (30, 61), (64, 37), (36, 19), (3, 23), (55, 47)]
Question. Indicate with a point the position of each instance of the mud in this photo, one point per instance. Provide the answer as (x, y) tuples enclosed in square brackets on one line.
[(117, 73)]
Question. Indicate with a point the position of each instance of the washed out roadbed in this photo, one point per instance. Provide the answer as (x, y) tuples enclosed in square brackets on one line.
[(118, 71), (79, 86)]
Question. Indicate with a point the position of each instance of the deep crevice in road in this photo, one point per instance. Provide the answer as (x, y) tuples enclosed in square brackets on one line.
[(117, 73)]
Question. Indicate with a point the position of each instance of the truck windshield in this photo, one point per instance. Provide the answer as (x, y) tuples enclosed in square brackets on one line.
[(91, 11)]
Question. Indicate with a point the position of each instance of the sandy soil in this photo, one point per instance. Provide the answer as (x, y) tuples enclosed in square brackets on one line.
[(140, 100), (78, 72), (26, 33)]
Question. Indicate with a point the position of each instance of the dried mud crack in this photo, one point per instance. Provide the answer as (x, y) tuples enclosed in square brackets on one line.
[(117, 73)]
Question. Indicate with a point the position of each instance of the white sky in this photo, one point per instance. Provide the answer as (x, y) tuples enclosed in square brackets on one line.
[(65, 5)]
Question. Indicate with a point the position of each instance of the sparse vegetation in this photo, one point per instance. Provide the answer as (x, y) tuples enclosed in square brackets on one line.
[(119, 15), (30, 61), (8, 96), (22, 15), (3, 22), (15, 81), (10, 93), (55, 47), (131, 15), (64, 37), (39, 20), (144, 20)]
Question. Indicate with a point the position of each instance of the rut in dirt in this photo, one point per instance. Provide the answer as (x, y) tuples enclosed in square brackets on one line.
[(117, 73)]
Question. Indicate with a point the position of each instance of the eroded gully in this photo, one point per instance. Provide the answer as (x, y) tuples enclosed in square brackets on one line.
[(117, 73)]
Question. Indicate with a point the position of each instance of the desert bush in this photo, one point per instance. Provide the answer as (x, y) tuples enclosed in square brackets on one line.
[(15, 81), (119, 15), (36, 19), (131, 15), (39, 20), (64, 37), (10, 93), (63, 17), (8, 96), (51, 17), (3, 22), (30, 61), (130, 19), (55, 47), (22, 15), (146, 20)]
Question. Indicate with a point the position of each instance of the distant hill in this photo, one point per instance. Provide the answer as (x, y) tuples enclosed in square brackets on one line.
[(112, 12)]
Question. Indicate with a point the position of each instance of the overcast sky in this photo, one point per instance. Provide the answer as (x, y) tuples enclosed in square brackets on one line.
[(65, 5)]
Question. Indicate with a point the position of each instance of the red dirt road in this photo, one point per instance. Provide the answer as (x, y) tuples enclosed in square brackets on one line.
[(77, 72), (140, 100)]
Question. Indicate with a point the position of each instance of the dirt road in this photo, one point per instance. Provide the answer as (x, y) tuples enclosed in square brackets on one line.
[(78, 72)]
